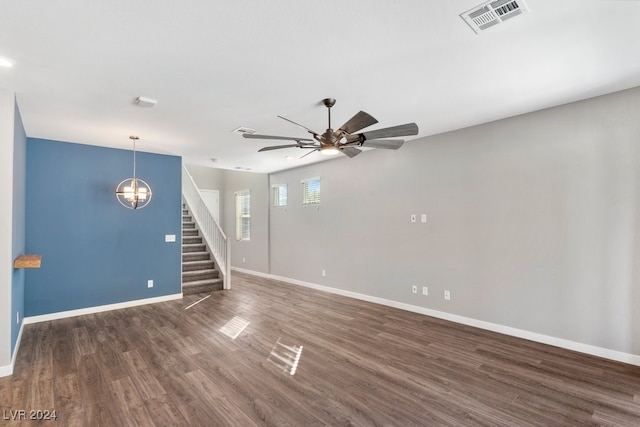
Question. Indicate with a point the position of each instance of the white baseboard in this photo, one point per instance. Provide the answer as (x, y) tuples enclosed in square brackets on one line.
[(606, 353), (7, 370), (99, 309)]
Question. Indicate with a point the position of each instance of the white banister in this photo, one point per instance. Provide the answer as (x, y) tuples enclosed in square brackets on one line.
[(213, 235)]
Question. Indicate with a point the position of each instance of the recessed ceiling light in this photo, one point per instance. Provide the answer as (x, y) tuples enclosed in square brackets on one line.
[(5, 62), (289, 157)]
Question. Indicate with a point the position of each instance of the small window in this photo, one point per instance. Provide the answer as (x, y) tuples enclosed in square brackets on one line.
[(311, 191), (243, 215), (280, 195)]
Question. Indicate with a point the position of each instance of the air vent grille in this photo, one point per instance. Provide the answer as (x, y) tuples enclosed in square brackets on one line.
[(493, 13), (243, 129)]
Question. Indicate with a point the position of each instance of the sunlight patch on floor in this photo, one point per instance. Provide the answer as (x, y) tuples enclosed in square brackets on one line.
[(285, 357), (234, 327)]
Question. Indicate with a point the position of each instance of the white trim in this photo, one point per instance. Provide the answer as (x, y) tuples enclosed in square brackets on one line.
[(606, 353), (7, 370), (99, 309)]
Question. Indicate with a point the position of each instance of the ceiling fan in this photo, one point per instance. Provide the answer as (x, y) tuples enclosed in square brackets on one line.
[(344, 139)]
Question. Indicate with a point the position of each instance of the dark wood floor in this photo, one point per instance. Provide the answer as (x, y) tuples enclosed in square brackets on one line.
[(303, 358)]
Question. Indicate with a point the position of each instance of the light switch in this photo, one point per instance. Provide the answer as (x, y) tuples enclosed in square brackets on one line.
[(423, 218), (169, 237)]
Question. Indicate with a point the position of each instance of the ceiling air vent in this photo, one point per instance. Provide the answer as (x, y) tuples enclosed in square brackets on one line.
[(493, 13), (243, 129)]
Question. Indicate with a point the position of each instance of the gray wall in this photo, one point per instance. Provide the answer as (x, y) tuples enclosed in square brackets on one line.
[(254, 254), (207, 178), (210, 179), (531, 222), (7, 111)]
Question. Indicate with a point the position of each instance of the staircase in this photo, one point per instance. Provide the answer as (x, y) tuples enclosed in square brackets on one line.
[(199, 272)]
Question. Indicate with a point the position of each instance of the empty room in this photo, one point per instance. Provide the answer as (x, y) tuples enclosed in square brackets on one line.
[(419, 213)]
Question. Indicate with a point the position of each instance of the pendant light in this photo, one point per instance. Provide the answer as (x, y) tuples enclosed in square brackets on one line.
[(133, 193)]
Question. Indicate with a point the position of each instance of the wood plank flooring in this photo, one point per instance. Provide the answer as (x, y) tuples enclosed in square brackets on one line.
[(353, 363)]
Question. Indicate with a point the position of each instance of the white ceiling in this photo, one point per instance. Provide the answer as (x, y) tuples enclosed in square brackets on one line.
[(216, 65)]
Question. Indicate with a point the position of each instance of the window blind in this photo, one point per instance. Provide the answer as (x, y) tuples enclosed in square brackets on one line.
[(243, 215), (311, 191), (280, 195)]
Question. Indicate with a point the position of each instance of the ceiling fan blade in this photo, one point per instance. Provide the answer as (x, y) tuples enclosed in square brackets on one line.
[(351, 151), (389, 144), (282, 138), (277, 147), (400, 130), (298, 124), (312, 151), (360, 121)]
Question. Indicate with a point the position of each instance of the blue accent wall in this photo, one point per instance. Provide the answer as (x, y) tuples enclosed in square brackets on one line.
[(95, 251), (18, 230)]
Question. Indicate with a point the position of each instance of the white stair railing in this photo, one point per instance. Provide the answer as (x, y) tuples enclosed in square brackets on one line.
[(211, 231)]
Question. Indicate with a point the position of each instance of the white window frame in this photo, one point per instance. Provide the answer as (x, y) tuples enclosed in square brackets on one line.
[(243, 216), (307, 198), (278, 200)]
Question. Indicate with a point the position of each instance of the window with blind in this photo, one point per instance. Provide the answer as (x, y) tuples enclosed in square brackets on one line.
[(311, 191), (243, 215), (280, 195)]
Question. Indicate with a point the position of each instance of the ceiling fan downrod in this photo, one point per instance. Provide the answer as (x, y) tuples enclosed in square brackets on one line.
[(329, 138)]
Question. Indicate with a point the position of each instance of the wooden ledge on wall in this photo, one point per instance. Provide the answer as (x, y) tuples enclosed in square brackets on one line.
[(28, 261)]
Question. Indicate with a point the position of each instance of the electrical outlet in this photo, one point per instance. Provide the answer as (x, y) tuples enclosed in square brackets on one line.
[(413, 218), (244, 259), (414, 289), (425, 291), (324, 273), (447, 295), (149, 283)]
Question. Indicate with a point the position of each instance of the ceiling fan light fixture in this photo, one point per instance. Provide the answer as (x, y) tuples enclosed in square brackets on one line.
[(343, 140), (5, 62), (329, 151)]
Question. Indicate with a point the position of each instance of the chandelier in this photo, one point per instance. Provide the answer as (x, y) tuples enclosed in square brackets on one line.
[(133, 193)]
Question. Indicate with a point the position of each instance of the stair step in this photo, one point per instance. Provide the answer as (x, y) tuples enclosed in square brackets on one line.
[(190, 240), (196, 256), (205, 264), (201, 286), (195, 247), (197, 275)]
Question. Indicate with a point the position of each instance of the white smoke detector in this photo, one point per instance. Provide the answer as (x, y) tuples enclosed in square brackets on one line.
[(493, 13), (146, 102)]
